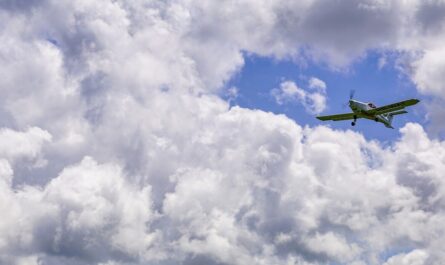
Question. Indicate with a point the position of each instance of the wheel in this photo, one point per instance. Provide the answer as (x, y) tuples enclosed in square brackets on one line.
[(353, 123), (376, 119)]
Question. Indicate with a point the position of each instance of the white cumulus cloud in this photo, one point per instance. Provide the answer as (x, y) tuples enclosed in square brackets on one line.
[(313, 101)]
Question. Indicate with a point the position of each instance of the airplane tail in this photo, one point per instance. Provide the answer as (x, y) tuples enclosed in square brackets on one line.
[(398, 112), (391, 115)]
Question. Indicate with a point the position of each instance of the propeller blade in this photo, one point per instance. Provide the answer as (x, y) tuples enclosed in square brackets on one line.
[(351, 94)]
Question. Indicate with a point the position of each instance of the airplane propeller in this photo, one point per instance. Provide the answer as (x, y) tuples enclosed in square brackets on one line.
[(351, 96)]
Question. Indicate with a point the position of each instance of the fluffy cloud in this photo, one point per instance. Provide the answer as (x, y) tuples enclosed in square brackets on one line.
[(317, 84), (415, 257), (15, 145), (313, 102), (88, 211), (429, 72), (116, 149)]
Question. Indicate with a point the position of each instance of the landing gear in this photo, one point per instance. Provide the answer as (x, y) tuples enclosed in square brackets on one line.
[(376, 119), (355, 120)]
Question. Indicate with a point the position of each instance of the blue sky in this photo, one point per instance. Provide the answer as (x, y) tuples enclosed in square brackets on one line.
[(380, 85)]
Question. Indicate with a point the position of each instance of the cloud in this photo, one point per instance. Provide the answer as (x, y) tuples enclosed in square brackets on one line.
[(113, 213), (435, 116), (28, 144), (231, 94), (89, 211), (415, 257), (288, 91), (19, 5), (317, 84), (429, 71), (333, 246), (116, 149), (313, 102), (231, 211)]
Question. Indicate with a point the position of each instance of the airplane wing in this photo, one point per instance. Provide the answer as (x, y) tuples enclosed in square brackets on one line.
[(337, 117), (393, 107)]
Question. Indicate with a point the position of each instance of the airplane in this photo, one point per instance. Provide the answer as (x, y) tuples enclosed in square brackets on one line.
[(368, 110)]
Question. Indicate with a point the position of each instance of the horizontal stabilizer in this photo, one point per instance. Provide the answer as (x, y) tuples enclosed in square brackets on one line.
[(398, 112)]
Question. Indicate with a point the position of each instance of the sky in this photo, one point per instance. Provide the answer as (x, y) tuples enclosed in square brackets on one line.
[(184, 132), (369, 79)]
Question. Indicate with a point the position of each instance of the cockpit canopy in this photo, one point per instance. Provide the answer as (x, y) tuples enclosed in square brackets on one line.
[(371, 105)]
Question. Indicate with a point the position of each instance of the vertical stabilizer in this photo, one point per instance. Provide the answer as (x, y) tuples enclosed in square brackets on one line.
[(392, 114), (387, 120), (390, 117)]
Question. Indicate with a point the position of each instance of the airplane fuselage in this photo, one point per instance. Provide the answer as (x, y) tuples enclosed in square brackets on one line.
[(362, 109)]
